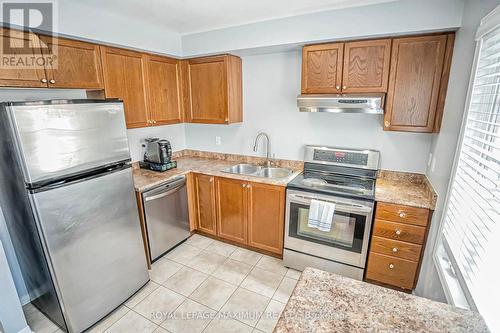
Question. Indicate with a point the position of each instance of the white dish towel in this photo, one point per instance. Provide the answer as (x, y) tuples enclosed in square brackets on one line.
[(321, 215)]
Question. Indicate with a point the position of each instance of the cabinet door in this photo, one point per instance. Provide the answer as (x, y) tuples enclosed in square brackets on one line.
[(208, 90), (414, 83), (266, 217), (163, 90), (78, 65), (124, 78), (322, 68), (17, 76), (231, 209), (366, 66), (205, 203)]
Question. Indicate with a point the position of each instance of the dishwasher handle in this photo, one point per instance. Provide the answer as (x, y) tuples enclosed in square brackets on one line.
[(165, 190)]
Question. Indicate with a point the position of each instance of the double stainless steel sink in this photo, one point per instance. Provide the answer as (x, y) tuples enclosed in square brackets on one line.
[(258, 171)]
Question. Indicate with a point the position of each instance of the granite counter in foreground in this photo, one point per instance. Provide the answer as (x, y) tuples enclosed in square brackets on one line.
[(327, 302), (409, 189)]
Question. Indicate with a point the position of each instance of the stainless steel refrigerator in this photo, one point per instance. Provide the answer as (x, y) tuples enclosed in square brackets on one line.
[(67, 194)]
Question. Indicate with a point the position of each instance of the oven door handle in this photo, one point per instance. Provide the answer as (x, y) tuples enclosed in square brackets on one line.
[(345, 207)]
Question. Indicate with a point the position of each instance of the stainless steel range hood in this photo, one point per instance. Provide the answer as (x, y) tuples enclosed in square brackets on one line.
[(345, 103)]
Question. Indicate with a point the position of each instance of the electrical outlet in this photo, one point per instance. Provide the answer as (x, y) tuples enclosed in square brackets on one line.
[(217, 140)]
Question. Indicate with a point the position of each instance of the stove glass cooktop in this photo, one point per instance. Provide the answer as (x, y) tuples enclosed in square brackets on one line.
[(334, 184)]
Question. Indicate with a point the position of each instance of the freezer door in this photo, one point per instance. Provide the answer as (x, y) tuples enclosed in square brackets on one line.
[(58, 140), (90, 231)]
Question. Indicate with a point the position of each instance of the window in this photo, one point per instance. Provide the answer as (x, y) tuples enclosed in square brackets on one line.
[(471, 220)]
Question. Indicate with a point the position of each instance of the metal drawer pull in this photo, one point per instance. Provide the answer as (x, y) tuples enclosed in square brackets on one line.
[(391, 266), (44, 80), (52, 81), (398, 232), (395, 249), (402, 214)]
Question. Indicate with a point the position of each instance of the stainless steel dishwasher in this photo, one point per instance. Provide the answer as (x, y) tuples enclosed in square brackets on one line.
[(166, 215)]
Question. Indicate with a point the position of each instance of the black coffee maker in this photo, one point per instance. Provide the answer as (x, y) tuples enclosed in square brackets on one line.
[(157, 155)]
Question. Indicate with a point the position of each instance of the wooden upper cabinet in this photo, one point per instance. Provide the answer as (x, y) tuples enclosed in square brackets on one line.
[(78, 64), (266, 217), (231, 209), (163, 90), (215, 90), (414, 83), (124, 78), (322, 68), (21, 77), (366, 66), (204, 197)]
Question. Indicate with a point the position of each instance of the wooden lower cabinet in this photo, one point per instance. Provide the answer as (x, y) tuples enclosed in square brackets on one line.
[(231, 209), (397, 245), (266, 217), (241, 212), (390, 270), (204, 197)]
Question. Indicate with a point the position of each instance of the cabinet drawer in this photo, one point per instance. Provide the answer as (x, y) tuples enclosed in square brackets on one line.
[(404, 214), (396, 248), (390, 270), (399, 231)]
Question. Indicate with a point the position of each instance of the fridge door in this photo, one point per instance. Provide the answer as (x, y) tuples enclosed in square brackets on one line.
[(91, 234), (56, 139)]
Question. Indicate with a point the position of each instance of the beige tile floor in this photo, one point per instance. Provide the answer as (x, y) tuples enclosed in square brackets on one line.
[(201, 286)]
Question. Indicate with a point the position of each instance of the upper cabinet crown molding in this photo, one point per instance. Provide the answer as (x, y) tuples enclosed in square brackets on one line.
[(213, 86)]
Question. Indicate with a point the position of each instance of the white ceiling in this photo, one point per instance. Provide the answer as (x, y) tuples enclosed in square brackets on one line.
[(189, 16)]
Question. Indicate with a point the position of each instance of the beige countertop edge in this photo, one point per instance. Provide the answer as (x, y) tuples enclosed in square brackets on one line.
[(169, 175)]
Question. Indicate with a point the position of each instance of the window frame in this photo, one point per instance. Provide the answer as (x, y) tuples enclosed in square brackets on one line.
[(454, 285)]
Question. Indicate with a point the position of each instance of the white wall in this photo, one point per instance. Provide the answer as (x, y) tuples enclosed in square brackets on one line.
[(11, 314), (396, 17), (81, 20), (270, 87), (444, 144)]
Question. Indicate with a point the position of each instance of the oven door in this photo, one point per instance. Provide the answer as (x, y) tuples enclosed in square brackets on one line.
[(347, 240)]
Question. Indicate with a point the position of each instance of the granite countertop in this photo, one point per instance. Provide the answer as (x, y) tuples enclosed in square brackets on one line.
[(403, 188), (210, 164), (327, 302), (392, 187)]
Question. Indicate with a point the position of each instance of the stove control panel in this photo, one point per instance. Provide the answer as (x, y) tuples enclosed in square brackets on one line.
[(356, 158), (341, 157)]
